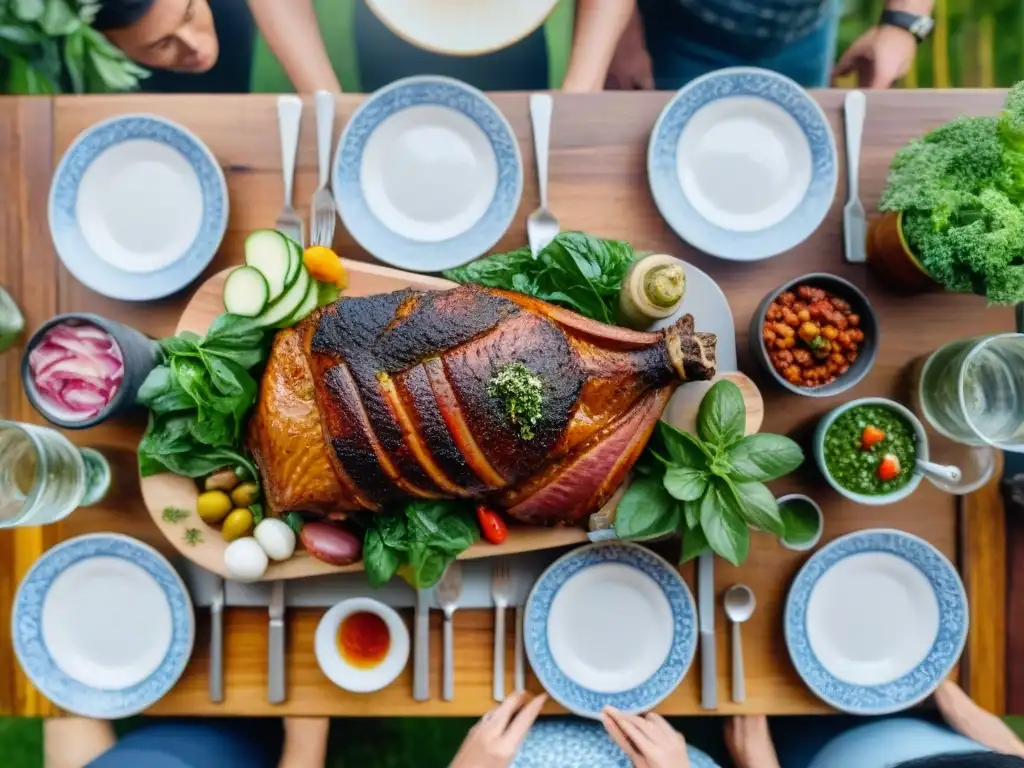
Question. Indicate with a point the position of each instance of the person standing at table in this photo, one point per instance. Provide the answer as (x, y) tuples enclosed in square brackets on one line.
[(668, 43)]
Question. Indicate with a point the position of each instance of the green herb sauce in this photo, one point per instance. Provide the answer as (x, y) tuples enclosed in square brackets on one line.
[(856, 468), (519, 390)]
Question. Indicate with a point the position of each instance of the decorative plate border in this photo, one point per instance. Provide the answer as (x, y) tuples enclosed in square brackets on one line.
[(569, 743), (575, 697), (91, 270), (370, 232), (920, 682), (680, 213), (53, 682)]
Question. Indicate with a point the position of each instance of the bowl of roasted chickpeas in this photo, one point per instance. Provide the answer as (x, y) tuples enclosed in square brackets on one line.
[(817, 335)]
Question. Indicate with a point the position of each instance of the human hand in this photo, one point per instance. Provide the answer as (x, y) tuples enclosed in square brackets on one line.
[(749, 742), (879, 57), (494, 741), (648, 741), (631, 68), (968, 719)]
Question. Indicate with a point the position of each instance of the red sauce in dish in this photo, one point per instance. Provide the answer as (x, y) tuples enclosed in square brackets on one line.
[(363, 639)]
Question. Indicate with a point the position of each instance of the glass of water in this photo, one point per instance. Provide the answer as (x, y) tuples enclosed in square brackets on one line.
[(44, 477), (972, 391)]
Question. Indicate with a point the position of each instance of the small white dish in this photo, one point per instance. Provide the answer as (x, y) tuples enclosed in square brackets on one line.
[(342, 673), (103, 626)]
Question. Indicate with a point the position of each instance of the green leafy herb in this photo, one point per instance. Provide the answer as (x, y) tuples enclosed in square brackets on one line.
[(256, 509), (193, 536), (800, 521), (294, 521), (419, 541), (520, 391), (708, 487), (175, 514), (12, 323), (575, 270)]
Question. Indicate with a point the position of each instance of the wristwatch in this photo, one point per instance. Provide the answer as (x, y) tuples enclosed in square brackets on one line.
[(919, 26)]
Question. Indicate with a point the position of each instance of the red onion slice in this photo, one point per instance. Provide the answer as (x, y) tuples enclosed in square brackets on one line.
[(77, 369)]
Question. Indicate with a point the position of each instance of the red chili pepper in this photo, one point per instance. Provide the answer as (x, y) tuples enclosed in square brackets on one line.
[(870, 436), (889, 468), (492, 526)]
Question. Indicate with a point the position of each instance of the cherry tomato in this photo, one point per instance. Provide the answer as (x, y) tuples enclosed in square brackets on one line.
[(889, 468), (492, 526), (870, 436)]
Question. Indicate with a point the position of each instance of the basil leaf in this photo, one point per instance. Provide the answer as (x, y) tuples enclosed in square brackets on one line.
[(428, 565), (379, 560), (691, 512), (646, 510), (685, 483), (683, 449), (800, 522), (758, 507), (722, 417), (695, 543), (726, 531), (763, 457)]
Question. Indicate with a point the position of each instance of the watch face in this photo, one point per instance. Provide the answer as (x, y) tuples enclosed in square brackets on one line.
[(922, 27)]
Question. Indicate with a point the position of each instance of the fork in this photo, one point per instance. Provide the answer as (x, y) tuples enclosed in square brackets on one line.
[(289, 116), (501, 593), (541, 226), (447, 592), (321, 225), (275, 645)]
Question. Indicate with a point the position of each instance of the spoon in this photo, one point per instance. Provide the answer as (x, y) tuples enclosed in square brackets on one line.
[(739, 607), (940, 474)]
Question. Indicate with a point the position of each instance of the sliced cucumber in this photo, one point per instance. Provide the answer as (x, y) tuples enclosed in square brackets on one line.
[(246, 292), (295, 259), (268, 251), (309, 303), (289, 301)]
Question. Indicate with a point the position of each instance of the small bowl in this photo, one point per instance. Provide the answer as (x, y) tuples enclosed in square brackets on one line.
[(807, 545), (140, 355), (874, 500), (844, 289), (347, 676)]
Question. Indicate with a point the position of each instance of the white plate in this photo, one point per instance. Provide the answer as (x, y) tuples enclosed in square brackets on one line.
[(340, 672), (462, 28), (103, 626), (875, 621), (427, 175)]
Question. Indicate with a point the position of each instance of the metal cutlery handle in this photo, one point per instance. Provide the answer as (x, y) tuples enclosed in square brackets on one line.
[(708, 671), (541, 106), (739, 688), (324, 133), (275, 662), (289, 116), (520, 653), (499, 653), (449, 660), (856, 106), (217, 655), (421, 658)]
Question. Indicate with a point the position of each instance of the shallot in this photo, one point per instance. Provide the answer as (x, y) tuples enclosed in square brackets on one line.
[(77, 369)]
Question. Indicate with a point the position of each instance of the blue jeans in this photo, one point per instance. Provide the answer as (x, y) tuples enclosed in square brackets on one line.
[(682, 48)]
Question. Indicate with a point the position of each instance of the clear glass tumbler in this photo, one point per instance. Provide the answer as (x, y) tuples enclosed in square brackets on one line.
[(972, 391), (44, 477)]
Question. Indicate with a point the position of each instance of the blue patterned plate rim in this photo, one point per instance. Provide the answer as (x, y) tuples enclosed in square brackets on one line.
[(94, 272), (372, 234), (576, 697), (680, 214), (35, 659), (918, 684)]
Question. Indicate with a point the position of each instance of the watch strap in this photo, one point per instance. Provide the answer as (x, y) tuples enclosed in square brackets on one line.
[(917, 25)]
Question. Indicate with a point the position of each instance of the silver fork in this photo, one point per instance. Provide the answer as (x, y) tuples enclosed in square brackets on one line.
[(289, 117), (541, 226), (321, 225), (275, 645), (447, 592), (501, 589)]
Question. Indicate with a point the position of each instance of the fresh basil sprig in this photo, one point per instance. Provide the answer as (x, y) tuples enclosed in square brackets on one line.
[(708, 487)]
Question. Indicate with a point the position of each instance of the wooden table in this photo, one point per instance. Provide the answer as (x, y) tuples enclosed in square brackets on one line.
[(598, 184)]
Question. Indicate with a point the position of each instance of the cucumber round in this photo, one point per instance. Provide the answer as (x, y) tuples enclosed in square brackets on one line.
[(285, 306), (309, 303), (269, 251), (246, 292), (295, 253)]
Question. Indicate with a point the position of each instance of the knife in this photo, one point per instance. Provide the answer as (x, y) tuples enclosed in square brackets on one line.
[(275, 645), (421, 651), (854, 226), (207, 590), (706, 618)]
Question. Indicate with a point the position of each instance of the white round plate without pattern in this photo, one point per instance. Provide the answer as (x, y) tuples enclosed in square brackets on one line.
[(563, 743), (427, 175), (610, 624), (343, 674), (458, 28), (875, 621), (138, 207), (103, 626), (742, 164)]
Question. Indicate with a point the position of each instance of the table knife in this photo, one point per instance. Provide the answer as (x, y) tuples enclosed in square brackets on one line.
[(519, 676), (275, 645), (207, 590), (421, 647), (706, 619), (854, 218)]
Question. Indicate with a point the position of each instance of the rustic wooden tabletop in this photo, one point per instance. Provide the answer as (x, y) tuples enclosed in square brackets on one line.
[(598, 184)]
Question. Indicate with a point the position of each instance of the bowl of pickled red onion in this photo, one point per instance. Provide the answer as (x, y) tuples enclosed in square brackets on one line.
[(79, 369)]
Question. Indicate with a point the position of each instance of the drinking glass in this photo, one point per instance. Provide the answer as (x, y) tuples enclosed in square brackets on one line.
[(44, 477), (972, 391)]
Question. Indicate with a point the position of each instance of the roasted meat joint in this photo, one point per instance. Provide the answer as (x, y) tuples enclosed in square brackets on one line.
[(471, 392)]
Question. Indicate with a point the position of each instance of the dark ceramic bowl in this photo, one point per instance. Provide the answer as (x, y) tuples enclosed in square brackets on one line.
[(140, 355), (836, 286)]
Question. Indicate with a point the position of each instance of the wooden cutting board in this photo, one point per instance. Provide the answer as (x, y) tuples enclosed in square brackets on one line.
[(166, 490)]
